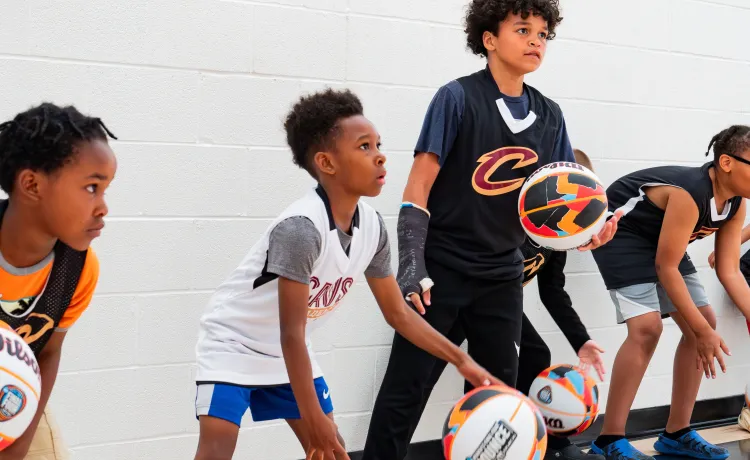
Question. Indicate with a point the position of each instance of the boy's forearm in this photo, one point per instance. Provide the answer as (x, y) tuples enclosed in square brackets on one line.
[(49, 363), (677, 291), (736, 286), (417, 331), (417, 193), (299, 368)]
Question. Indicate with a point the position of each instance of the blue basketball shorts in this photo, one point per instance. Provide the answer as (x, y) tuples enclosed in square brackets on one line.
[(229, 402)]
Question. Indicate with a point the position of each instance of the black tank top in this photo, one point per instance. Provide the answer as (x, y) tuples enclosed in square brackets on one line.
[(474, 226), (631, 255)]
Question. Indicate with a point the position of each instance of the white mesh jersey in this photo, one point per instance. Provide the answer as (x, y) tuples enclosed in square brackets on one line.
[(239, 338)]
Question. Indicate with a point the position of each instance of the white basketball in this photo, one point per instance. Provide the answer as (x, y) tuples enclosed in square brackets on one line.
[(492, 422), (568, 399), (20, 386), (562, 205)]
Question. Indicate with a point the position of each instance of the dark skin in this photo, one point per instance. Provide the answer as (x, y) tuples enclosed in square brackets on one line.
[(730, 179), (700, 343), (68, 205), (352, 169)]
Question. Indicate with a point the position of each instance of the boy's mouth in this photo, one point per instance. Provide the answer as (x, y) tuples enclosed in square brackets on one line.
[(536, 54), (381, 178), (95, 230)]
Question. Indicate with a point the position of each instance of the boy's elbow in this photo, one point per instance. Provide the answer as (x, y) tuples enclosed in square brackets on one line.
[(725, 274), (396, 319), (291, 336)]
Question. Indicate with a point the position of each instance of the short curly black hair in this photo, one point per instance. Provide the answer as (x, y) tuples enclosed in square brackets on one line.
[(486, 15), (312, 124), (731, 141), (44, 138)]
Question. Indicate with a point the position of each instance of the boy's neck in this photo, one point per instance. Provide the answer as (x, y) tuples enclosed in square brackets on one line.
[(721, 195), (22, 244), (343, 206), (509, 82)]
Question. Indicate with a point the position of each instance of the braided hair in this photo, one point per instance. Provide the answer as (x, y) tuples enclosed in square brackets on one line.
[(732, 141), (44, 138)]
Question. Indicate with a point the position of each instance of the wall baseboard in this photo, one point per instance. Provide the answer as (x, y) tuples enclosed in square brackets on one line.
[(642, 423)]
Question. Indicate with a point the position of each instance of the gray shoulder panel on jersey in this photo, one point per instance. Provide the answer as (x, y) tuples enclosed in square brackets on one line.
[(380, 266), (293, 247)]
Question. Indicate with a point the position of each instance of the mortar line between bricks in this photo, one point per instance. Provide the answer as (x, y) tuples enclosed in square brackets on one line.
[(203, 71), (250, 147), (211, 72), (126, 368), (153, 293), (709, 2), (652, 50), (348, 12), (650, 106), (133, 441)]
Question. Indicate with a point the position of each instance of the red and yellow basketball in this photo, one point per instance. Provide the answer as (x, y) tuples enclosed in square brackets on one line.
[(494, 422), (568, 399), (562, 205)]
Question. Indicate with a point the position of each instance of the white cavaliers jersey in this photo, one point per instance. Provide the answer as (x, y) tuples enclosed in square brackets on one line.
[(239, 339)]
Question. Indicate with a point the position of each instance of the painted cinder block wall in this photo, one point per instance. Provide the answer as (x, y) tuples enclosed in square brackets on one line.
[(197, 89)]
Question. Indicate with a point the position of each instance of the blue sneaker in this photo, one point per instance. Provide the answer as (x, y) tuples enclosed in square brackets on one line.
[(620, 450), (692, 445)]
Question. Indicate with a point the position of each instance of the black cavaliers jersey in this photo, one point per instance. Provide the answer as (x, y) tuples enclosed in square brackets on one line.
[(36, 320), (474, 226), (630, 257)]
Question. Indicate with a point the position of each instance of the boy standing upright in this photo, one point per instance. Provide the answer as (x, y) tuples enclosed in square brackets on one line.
[(55, 165), (458, 227)]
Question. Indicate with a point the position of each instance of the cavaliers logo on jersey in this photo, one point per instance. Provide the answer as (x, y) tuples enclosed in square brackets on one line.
[(513, 157), (325, 297)]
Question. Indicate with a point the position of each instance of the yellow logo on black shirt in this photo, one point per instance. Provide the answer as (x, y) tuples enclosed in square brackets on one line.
[(517, 157), (531, 266), (34, 325), (702, 233), (17, 308)]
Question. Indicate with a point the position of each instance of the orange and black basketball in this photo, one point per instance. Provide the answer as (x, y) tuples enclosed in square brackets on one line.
[(562, 205)]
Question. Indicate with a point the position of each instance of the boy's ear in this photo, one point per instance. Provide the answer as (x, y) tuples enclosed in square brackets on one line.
[(725, 163), (489, 40), (28, 184), (324, 163)]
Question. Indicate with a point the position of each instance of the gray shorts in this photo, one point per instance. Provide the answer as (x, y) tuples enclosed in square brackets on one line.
[(639, 299)]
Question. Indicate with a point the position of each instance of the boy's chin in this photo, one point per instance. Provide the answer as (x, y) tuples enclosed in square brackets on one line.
[(78, 244), (373, 192), (526, 67)]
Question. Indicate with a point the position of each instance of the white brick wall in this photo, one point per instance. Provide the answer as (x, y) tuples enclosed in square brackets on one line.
[(197, 90)]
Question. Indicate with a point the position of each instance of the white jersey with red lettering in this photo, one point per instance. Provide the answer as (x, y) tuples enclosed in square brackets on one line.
[(239, 338)]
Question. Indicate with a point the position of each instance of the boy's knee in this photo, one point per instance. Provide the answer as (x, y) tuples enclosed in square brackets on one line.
[(647, 333), (709, 314)]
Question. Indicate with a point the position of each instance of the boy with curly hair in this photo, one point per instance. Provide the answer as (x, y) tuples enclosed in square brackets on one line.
[(55, 165), (254, 345), (458, 230)]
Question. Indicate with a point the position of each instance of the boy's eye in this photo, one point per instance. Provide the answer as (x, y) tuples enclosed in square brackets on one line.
[(91, 188), (365, 146), (523, 30), (543, 35)]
